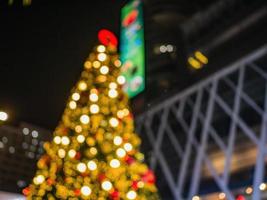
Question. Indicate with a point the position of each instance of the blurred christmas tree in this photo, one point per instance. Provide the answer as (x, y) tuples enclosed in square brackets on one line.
[(94, 153)]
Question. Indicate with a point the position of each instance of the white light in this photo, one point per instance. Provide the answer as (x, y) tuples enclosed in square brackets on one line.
[(249, 190), (126, 112), (162, 48), (86, 191), (39, 179), (72, 105), (112, 93), (121, 80), (113, 122), (93, 97), (11, 150), (82, 86), (121, 152), (106, 185), (75, 96), (262, 186), (80, 138), (131, 194), (94, 108), (128, 147), (61, 153), (120, 114), (196, 198), (102, 56), (169, 48), (92, 165), (85, 119), (1, 145), (114, 163), (101, 48), (34, 134), (81, 167), (112, 85), (117, 140), (72, 153), (222, 195), (3, 116), (25, 131), (104, 70), (78, 129), (57, 140), (65, 140)]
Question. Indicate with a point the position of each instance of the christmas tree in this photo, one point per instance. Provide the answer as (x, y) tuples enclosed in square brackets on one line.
[(95, 152)]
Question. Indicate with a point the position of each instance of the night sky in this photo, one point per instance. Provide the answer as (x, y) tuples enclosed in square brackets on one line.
[(42, 50)]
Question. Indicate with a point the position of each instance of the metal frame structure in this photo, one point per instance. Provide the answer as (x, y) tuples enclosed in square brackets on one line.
[(194, 136)]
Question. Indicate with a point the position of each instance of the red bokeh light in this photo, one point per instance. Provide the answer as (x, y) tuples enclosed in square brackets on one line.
[(240, 197), (107, 38)]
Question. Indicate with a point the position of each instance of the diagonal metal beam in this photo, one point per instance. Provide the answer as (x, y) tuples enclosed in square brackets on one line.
[(204, 136), (259, 168), (188, 148), (232, 131)]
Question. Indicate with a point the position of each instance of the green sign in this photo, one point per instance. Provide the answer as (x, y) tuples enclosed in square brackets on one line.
[(132, 49)]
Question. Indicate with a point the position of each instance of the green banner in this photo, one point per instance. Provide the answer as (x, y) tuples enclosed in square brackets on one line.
[(132, 49)]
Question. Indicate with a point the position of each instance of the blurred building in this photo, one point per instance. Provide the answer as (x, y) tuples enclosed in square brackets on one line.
[(175, 31), (228, 33), (20, 147)]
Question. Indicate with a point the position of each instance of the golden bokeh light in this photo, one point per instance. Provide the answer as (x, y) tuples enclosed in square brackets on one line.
[(85, 119), (104, 70), (94, 108), (80, 138), (82, 86), (106, 185), (102, 57), (75, 96), (87, 64), (121, 80), (72, 105), (86, 191), (101, 48)]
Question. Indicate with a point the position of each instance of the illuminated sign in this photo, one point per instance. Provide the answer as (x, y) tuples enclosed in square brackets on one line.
[(132, 48)]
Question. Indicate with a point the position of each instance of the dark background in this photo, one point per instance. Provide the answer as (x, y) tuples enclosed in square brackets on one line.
[(42, 50)]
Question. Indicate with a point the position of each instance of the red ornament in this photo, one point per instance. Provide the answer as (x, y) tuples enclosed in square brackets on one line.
[(26, 191), (115, 195), (77, 192), (78, 156), (135, 185), (129, 160), (107, 38), (84, 174), (101, 177), (149, 177), (65, 131), (49, 181), (240, 197)]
